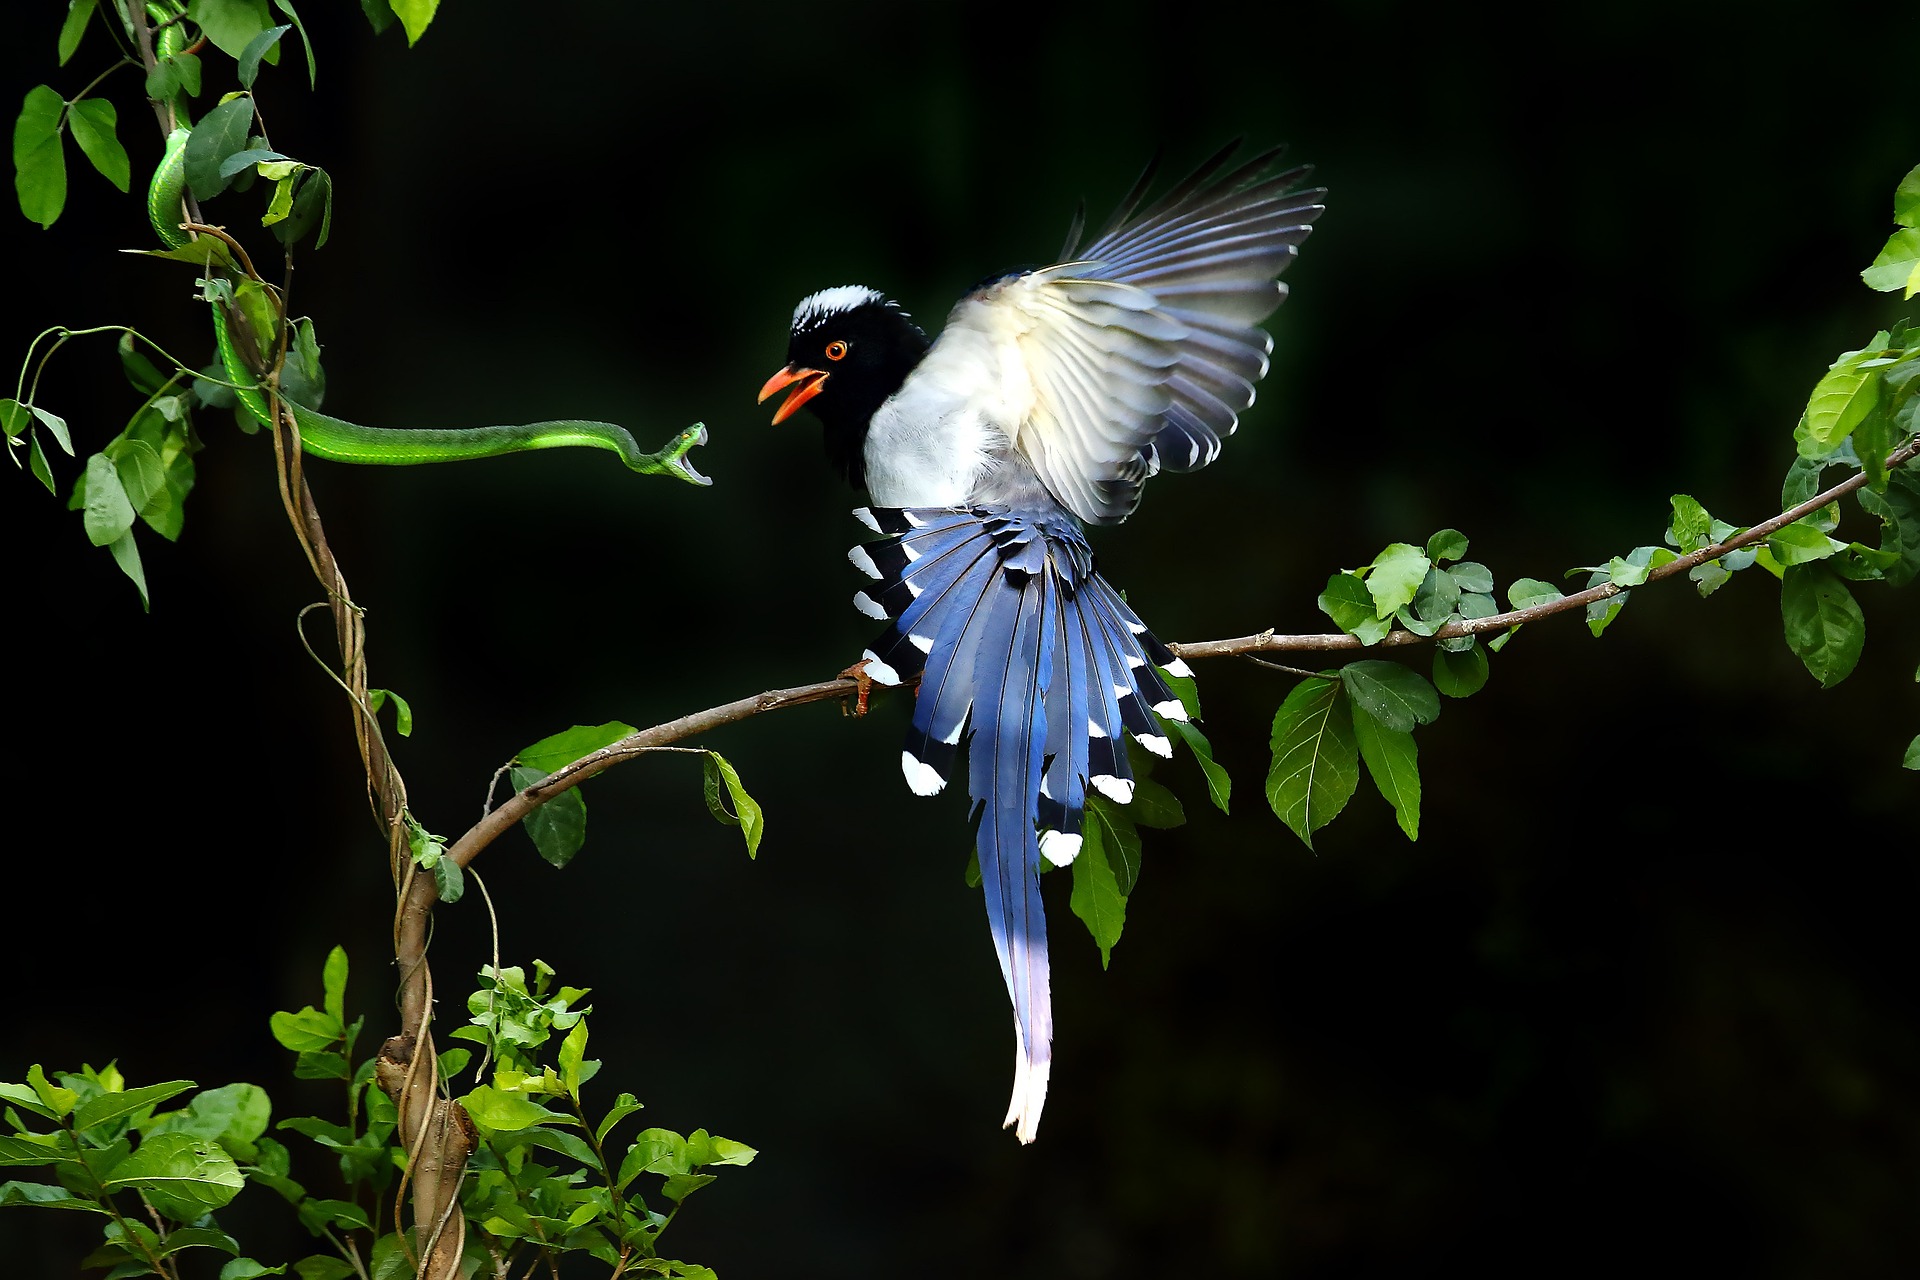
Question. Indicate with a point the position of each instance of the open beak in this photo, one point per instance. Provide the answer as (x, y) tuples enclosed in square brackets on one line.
[(806, 384)]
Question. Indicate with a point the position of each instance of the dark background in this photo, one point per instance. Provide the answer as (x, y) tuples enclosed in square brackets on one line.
[(1640, 996)]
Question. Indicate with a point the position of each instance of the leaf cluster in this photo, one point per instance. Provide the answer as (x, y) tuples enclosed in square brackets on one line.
[(546, 1179)]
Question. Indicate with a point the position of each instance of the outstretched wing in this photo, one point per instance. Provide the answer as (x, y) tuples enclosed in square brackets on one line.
[(1140, 353)]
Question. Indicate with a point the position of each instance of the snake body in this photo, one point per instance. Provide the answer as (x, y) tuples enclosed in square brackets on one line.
[(338, 440)]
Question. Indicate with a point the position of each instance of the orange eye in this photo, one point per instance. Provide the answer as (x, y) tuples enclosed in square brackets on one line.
[(836, 350)]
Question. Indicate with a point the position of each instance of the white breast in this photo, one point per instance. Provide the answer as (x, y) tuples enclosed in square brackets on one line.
[(950, 423)]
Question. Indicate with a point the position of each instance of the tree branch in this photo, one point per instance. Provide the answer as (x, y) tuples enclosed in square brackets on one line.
[(490, 827)]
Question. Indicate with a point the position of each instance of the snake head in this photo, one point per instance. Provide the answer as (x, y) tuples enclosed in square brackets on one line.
[(673, 458)]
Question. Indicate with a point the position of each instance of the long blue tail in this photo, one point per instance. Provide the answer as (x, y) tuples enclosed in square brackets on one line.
[(1004, 620)]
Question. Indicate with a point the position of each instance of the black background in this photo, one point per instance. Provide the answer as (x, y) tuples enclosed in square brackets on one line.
[(1640, 995)]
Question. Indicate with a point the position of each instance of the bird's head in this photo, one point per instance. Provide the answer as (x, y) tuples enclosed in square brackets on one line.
[(849, 349)]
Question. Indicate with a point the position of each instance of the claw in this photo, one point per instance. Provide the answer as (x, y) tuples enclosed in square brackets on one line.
[(863, 688)]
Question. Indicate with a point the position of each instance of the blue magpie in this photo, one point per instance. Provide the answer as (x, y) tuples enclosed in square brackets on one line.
[(1049, 399)]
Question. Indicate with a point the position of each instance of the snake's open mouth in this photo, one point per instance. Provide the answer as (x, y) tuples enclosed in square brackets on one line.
[(806, 384)]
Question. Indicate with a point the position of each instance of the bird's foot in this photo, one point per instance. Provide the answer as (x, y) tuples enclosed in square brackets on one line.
[(862, 685)]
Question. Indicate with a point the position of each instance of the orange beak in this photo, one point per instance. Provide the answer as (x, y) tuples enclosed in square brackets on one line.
[(806, 384)]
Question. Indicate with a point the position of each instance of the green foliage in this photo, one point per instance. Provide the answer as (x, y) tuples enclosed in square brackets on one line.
[(1898, 265), (558, 828), (545, 1180), (1315, 765), (1416, 589), (157, 1178), (735, 808)]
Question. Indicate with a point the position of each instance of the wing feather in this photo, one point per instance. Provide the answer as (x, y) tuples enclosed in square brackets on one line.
[(1140, 353)]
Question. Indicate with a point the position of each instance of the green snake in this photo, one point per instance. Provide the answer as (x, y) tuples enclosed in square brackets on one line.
[(337, 440)]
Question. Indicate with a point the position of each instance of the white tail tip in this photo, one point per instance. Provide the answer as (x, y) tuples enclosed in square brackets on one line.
[(1029, 1093)]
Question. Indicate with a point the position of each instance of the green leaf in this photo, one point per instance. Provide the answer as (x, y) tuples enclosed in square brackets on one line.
[(311, 1064), (140, 371), (1893, 268), (1800, 543), (1348, 602), (558, 826), (280, 206), (333, 984), (45, 1196), (248, 1269), (111, 1106), (142, 475), (1906, 199), (1118, 836), (623, 1106), (402, 712), (414, 15), (39, 167), (1912, 759), (1434, 603), (58, 1099), (1898, 509), (682, 1185), (318, 1215), (234, 1115), (308, 1030), (319, 1266), (1219, 785), (249, 60), (21, 1095), (567, 1144), (498, 1110), (1526, 593), (35, 1149), (220, 133), (1460, 674), (55, 425), (1823, 624), (306, 41), (199, 1238), (1155, 806), (1315, 760), (1396, 696), (1097, 897), (1448, 544), (185, 72), (14, 418), (551, 754), (230, 24), (450, 881), (253, 157), (181, 1176), (37, 463), (1393, 761), (311, 206), (1843, 396), (745, 811), (727, 1151), (1472, 577), (92, 121), (109, 512), (573, 1050), (303, 378), (1691, 527), (1395, 577), (379, 14), (78, 11), (659, 1151)]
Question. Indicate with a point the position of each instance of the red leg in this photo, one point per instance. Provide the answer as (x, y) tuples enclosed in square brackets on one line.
[(863, 686)]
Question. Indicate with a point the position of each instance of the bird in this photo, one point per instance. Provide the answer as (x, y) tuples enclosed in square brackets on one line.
[(1049, 398)]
